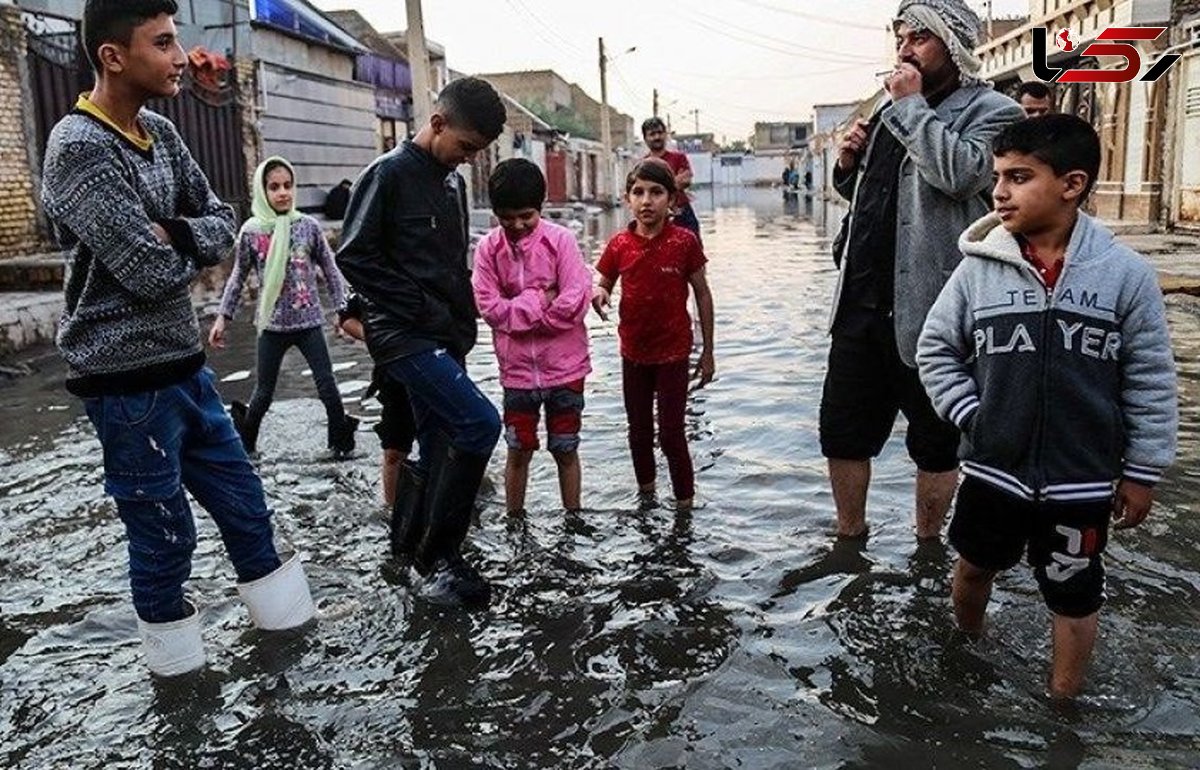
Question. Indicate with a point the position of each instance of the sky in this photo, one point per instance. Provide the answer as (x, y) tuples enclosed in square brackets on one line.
[(735, 61)]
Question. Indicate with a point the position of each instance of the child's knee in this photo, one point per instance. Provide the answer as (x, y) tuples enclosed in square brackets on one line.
[(970, 573), (480, 435), (520, 458), (562, 444), (566, 458), (520, 432), (672, 441)]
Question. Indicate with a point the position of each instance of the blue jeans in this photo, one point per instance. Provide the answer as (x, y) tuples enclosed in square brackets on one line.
[(157, 444), (271, 348), (445, 400)]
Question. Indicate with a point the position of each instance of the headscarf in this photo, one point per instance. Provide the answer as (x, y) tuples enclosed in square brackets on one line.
[(265, 218), (955, 24)]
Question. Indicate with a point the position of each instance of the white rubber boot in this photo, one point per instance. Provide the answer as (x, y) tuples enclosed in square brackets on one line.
[(281, 599), (173, 648)]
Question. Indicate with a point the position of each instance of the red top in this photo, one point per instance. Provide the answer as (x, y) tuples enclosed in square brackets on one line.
[(1048, 272), (655, 327), (678, 161)]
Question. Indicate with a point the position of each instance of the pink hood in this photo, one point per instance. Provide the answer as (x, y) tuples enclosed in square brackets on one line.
[(539, 343)]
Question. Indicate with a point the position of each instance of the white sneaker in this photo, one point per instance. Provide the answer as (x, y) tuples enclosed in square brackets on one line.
[(280, 600), (173, 648)]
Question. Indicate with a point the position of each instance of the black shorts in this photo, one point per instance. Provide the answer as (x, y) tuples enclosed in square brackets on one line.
[(991, 529), (866, 386), (396, 427)]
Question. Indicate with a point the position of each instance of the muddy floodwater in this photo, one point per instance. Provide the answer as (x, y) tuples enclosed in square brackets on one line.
[(740, 636)]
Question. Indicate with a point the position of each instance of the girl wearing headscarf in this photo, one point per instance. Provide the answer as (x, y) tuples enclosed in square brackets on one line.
[(285, 248)]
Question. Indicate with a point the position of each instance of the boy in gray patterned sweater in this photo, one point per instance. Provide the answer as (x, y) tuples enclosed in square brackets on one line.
[(141, 221), (1048, 347)]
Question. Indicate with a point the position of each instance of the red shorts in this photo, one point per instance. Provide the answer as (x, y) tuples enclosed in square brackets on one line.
[(564, 414)]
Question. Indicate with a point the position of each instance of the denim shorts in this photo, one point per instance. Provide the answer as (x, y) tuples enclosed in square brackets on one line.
[(564, 414)]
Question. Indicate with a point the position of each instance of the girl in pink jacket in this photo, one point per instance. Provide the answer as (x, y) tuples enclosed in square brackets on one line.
[(533, 288)]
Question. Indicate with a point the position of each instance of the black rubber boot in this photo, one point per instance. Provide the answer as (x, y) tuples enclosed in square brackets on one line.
[(246, 428), (341, 437), (408, 512), (449, 503)]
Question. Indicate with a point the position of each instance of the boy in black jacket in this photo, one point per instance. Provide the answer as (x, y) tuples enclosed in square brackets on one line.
[(404, 249)]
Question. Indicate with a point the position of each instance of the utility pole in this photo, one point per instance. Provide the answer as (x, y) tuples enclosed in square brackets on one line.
[(605, 129), (990, 33), (696, 114), (655, 112), (418, 58)]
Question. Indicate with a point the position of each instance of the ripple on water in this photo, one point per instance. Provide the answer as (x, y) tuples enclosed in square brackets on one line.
[(742, 635)]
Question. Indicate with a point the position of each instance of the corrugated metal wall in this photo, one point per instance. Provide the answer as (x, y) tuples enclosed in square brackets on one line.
[(209, 122), (326, 127)]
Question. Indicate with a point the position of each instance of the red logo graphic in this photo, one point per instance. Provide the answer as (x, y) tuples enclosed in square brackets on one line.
[(1071, 71)]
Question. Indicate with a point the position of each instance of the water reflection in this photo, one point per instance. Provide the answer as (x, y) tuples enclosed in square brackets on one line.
[(741, 635)]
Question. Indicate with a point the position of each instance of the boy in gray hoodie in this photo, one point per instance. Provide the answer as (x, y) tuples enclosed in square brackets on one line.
[(1048, 347)]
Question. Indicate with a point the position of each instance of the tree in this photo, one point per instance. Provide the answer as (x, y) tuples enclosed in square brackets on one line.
[(567, 121)]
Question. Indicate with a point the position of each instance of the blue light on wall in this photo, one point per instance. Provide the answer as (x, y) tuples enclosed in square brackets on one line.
[(298, 19)]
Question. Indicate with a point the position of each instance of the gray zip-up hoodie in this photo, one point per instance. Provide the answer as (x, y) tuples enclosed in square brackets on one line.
[(1058, 393)]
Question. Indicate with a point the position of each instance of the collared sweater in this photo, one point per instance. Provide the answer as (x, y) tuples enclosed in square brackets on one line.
[(128, 324)]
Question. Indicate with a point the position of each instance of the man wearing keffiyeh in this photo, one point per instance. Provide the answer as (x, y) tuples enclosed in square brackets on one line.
[(916, 175)]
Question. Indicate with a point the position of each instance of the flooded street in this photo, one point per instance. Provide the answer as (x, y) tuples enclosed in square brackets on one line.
[(738, 636)]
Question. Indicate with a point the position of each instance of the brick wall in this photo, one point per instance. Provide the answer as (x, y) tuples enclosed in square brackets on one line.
[(247, 79), (19, 232), (1181, 8)]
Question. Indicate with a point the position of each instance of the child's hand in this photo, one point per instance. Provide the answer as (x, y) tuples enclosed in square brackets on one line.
[(600, 301), (550, 294), (216, 335), (160, 233), (352, 328), (1131, 504), (706, 369)]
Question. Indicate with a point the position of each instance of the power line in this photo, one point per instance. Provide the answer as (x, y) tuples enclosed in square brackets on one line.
[(813, 16), (553, 38), (703, 98), (639, 97), (756, 44), (807, 50), (757, 78), (630, 91)]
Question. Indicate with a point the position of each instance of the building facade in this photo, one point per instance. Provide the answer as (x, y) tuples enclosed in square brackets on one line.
[(781, 135), (1181, 175), (828, 205), (1131, 118), (548, 90)]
